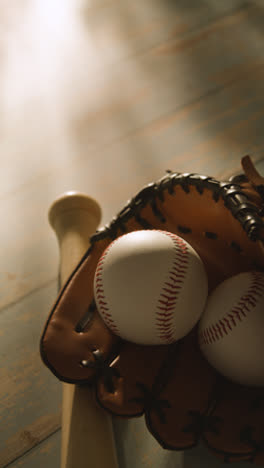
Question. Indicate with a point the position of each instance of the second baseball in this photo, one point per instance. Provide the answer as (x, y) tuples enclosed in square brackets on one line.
[(231, 329), (150, 287)]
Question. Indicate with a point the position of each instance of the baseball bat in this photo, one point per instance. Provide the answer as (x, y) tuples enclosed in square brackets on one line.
[(87, 438)]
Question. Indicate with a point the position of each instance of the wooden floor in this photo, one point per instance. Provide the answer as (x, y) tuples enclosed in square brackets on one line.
[(103, 96)]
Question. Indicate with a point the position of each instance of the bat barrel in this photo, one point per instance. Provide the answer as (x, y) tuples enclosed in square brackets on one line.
[(74, 217)]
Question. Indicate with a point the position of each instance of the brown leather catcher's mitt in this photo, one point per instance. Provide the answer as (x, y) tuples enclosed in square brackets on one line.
[(183, 398)]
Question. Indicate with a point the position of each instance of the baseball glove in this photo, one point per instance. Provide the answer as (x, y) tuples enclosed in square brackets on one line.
[(184, 399)]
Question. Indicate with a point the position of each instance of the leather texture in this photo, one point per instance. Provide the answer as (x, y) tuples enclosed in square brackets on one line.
[(184, 399)]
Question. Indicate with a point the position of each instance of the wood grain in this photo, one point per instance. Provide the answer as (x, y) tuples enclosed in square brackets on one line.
[(47, 453), (28, 438), (28, 413), (176, 104)]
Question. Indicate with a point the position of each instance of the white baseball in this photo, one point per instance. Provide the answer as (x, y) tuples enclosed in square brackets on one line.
[(231, 329), (150, 287)]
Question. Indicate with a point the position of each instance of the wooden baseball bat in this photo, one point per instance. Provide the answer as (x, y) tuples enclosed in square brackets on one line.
[(87, 439)]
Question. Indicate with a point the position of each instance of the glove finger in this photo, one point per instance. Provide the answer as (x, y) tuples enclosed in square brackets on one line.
[(133, 375), (241, 410), (187, 391)]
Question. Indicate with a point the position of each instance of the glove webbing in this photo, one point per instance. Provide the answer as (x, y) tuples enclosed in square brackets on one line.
[(234, 198)]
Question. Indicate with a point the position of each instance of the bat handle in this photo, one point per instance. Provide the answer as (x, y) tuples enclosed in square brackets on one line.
[(87, 434)]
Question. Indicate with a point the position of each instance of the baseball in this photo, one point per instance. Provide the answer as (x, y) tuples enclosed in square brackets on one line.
[(231, 329), (150, 287)]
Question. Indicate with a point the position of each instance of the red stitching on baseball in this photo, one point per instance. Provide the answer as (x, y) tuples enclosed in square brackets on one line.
[(208, 338), (176, 275), (233, 319), (166, 304), (166, 295), (245, 305), (171, 289), (164, 323), (100, 292)]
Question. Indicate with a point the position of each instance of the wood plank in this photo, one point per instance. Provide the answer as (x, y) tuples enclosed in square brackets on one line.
[(30, 396), (29, 437), (46, 454), (148, 95), (143, 85), (134, 28), (86, 91), (171, 75)]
